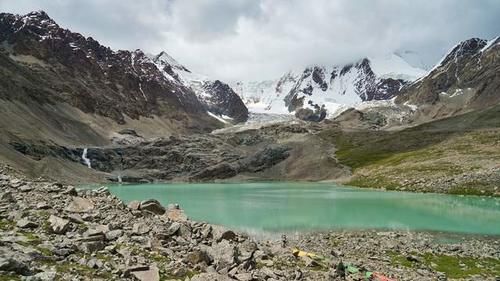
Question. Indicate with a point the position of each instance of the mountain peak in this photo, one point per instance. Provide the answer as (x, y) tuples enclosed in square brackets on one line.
[(163, 59), (39, 14), (38, 18), (465, 48)]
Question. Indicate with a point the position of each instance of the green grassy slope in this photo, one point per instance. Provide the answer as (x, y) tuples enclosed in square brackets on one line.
[(459, 154)]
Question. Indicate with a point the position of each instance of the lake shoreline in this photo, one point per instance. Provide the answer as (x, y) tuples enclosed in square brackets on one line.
[(301, 206), (52, 231)]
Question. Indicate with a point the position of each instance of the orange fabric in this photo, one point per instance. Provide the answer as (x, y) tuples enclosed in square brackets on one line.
[(377, 276)]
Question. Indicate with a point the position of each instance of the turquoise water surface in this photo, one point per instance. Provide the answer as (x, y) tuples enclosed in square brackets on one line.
[(284, 206)]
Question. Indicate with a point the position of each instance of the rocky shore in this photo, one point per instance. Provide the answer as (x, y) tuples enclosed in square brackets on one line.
[(52, 231)]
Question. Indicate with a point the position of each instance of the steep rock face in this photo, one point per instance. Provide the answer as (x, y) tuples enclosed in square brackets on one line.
[(222, 100), (44, 62), (466, 78), (217, 97), (321, 91)]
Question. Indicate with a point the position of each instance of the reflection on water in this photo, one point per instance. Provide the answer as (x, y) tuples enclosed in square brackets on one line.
[(292, 207)]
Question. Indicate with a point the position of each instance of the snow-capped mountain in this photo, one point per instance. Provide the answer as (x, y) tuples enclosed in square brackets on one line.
[(320, 91), (218, 97), (465, 78), (44, 64)]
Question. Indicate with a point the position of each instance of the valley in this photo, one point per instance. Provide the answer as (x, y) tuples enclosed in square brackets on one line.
[(319, 173)]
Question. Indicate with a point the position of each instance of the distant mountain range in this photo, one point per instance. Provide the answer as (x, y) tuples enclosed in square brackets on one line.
[(43, 64), (320, 91)]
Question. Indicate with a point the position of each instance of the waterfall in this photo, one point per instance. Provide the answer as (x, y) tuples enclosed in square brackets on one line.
[(119, 178), (85, 159)]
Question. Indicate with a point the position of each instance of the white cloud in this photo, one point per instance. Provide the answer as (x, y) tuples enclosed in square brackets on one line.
[(260, 39)]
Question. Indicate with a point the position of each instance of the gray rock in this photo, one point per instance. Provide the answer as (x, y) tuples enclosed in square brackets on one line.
[(211, 277), (71, 190), (134, 205), (140, 228), (58, 225), (42, 206), (25, 188), (114, 234), (25, 223), (226, 235), (76, 218), (102, 191), (185, 231), (172, 230), (198, 256), (80, 205), (42, 276), (153, 206), (223, 254), (94, 263), (12, 265), (91, 247), (151, 274), (7, 197), (244, 277), (206, 231)]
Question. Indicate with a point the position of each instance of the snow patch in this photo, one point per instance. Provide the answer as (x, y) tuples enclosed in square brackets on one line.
[(394, 66), (493, 41), (218, 117)]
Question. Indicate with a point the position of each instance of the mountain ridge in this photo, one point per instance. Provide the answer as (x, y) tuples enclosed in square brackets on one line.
[(317, 92), (53, 65)]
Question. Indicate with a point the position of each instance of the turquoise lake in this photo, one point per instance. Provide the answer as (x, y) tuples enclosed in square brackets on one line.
[(289, 207)]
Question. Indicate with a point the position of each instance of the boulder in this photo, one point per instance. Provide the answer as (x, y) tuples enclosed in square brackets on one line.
[(223, 254), (198, 256), (175, 213), (211, 276), (97, 229), (42, 206), (225, 235), (71, 190), (143, 273), (25, 223), (140, 228), (80, 205), (173, 229), (12, 265), (244, 277), (91, 247), (43, 276), (185, 231), (153, 206), (114, 234), (58, 225), (206, 231), (134, 205), (26, 188)]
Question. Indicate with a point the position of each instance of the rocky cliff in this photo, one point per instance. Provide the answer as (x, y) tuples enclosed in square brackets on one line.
[(63, 81), (465, 79)]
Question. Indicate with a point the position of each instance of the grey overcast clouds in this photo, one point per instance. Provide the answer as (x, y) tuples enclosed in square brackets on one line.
[(261, 39)]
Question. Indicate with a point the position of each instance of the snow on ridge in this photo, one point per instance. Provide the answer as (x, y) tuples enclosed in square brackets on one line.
[(220, 118), (394, 66), (166, 58), (346, 85), (490, 43)]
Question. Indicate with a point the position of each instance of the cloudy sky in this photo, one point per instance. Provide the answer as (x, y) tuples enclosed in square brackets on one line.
[(261, 39)]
